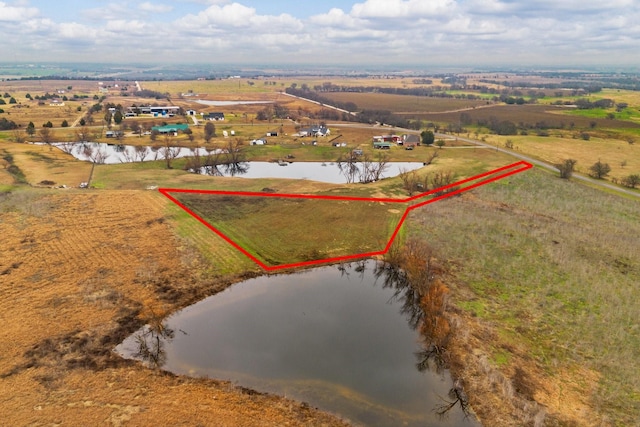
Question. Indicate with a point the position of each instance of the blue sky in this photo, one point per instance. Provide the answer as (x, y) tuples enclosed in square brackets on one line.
[(426, 33)]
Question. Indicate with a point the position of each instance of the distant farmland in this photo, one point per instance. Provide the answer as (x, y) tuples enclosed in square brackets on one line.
[(551, 116), (403, 104)]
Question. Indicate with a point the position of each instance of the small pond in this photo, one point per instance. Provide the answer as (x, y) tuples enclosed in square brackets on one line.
[(337, 337), (317, 171), (102, 153)]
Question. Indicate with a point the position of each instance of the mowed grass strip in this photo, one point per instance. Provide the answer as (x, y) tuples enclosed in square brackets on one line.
[(554, 266), (280, 230)]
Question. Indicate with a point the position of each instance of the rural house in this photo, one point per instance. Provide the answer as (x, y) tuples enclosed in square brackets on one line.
[(409, 141), (213, 116), (315, 131), (173, 129)]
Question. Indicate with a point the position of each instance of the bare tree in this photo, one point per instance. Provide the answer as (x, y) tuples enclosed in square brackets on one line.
[(348, 166), (441, 180), (372, 170), (67, 147), (209, 131), (128, 154), (194, 162), (141, 152), (189, 134), (566, 168), (599, 170), (235, 151), (631, 181), (169, 152), (151, 342), (99, 156), (82, 134), (431, 157), (410, 181), (46, 136), (136, 128), (18, 136), (119, 134)]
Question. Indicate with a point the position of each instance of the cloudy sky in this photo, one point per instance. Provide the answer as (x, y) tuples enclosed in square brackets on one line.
[(565, 33)]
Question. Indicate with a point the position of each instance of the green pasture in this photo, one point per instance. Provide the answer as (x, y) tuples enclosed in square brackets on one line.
[(554, 267), (283, 231)]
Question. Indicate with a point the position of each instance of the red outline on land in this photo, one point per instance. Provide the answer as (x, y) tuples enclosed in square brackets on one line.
[(482, 179)]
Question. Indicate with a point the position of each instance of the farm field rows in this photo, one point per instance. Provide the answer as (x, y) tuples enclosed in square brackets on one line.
[(80, 271)]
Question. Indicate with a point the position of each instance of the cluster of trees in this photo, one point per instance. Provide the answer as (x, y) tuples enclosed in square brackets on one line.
[(7, 124), (598, 170), (585, 104), (275, 111), (586, 87), (413, 182), (432, 91), (12, 100), (148, 93), (362, 168), (217, 162)]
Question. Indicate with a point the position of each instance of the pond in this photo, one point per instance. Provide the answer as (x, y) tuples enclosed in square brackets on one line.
[(317, 171), (102, 153), (337, 337)]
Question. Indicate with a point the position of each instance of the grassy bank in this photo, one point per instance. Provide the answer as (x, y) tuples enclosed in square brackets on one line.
[(553, 267)]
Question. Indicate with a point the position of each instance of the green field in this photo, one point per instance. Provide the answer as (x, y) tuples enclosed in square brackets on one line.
[(554, 267), (280, 231)]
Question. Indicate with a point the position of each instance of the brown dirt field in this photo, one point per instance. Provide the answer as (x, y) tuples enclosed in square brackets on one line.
[(44, 163), (79, 271)]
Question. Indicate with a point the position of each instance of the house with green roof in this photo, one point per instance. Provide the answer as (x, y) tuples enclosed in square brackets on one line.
[(175, 128)]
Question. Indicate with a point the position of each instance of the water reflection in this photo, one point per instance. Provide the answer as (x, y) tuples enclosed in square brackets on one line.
[(316, 171), (231, 162), (224, 169), (334, 340), (151, 343)]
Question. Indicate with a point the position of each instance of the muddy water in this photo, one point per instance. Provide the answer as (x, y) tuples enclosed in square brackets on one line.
[(333, 337)]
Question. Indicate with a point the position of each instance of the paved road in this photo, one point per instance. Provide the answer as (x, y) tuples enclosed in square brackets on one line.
[(320, 103), (594, 182)]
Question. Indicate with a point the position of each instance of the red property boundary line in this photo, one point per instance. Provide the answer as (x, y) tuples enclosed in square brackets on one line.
[(455, 189)]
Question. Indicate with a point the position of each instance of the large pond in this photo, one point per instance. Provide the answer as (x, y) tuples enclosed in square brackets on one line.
[(317, 171), (337, 337)]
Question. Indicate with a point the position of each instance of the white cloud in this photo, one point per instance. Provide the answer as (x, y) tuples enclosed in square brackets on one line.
[(336, 17), (402, 8), (154, 8), (373, 31), (108, 12), (17, 13)]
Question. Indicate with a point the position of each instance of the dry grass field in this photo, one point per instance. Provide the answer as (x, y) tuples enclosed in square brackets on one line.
[(80, 271), (543, 271), (624, 158)]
